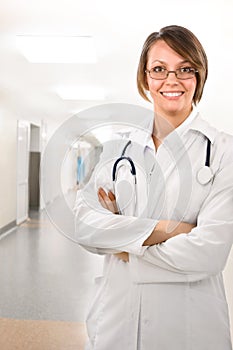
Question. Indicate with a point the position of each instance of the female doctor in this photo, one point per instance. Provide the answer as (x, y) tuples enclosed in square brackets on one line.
[(162, 285)]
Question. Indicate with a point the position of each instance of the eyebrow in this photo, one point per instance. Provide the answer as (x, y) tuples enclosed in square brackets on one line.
[(163, 62)]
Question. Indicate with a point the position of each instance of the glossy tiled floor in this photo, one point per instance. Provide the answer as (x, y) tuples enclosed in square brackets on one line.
[(46, 282), (46, 285), (41, 335)]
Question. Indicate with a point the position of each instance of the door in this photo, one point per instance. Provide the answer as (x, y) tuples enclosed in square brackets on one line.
[(34, 182), (23, 145)]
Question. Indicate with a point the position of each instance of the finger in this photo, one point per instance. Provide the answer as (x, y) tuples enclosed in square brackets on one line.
[(115, 207), (107, 200), (111, 196), (122, 256), (102, 202), (111, 205), (102, 192), (103, 195)]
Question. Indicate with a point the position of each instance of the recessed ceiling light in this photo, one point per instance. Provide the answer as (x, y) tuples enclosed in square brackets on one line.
[(57, 49), (87, 93)]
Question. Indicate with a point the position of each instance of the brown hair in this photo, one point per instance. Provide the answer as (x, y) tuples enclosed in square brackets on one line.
[(186, 44)]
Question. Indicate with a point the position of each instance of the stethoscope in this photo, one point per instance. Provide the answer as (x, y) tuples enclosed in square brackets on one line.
[(129, 160), (204, 175), (116, 168)]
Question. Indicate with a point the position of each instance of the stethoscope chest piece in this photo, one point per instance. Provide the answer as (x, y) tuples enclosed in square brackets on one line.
[(204, 175)]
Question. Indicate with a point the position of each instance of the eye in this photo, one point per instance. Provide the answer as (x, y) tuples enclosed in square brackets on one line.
[(158, 69), (186, 70)]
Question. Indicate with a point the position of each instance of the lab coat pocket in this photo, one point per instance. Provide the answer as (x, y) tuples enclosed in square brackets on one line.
[(95, 310), (209, 322)]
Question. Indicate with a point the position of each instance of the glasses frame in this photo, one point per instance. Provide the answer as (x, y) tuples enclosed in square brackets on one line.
[(172, 71)]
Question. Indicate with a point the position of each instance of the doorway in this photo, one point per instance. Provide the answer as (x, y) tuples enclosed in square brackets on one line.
[(34, 168), (28, 169)]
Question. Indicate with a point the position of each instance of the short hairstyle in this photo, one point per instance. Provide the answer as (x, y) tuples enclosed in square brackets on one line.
[(186, 44)]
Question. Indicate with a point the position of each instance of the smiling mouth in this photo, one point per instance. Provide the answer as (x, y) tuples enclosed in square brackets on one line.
[(172, 94)]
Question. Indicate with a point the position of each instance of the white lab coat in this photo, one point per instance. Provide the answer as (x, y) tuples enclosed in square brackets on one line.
[(170, 295)]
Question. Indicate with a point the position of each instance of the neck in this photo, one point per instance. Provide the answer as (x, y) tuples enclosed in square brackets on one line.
[(165, 124)]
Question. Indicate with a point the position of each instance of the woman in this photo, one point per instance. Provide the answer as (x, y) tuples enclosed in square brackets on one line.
[(162, 286)]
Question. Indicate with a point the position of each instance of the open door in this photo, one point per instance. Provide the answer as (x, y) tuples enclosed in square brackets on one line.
[(23, 147)]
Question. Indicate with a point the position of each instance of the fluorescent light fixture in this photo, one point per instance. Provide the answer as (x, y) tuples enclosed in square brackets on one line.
[(81, 93), (57, 49)]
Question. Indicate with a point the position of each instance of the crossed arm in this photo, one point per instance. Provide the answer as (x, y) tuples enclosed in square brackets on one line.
[(164, 230)]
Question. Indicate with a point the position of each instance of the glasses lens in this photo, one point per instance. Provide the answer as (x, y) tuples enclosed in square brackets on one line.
[(185, 73), (158, 73)]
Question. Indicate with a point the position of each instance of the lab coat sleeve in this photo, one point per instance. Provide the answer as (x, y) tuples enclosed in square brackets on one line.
[(201, 253), (97, 229)]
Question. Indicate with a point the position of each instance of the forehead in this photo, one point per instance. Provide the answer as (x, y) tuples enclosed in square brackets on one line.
[(160, 51)]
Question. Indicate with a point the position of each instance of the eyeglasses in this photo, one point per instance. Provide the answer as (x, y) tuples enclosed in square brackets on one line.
[(161, 73)]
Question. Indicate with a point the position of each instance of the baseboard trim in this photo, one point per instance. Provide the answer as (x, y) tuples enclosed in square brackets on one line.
[(8, 227)]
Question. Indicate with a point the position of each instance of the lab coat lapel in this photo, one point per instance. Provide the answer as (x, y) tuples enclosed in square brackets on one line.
[(171, 155)]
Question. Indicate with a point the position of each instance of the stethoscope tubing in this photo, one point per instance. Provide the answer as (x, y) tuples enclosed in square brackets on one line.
[(207, 161), (114, 170), (204, 175)]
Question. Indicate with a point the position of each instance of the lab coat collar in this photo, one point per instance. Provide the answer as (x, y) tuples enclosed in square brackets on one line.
[(202, 126), (196, 123), (193, 122), (182, 128), (142, 135)]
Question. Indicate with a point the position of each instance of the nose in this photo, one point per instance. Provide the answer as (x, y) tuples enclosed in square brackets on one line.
[(171, 76)]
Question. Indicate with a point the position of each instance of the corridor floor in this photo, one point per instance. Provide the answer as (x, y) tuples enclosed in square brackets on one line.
[(46, 282)]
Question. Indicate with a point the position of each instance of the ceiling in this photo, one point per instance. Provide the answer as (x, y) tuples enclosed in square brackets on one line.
[(119, 29)]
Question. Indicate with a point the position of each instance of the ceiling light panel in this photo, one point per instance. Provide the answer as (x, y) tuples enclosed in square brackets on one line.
[(81, 93)]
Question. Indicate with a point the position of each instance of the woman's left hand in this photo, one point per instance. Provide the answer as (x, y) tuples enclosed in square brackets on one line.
[(107, 200)]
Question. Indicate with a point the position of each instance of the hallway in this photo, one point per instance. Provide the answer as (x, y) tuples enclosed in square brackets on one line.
[(45, 283)]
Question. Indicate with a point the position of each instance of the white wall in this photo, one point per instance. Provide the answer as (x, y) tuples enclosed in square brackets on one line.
[(8, 159)]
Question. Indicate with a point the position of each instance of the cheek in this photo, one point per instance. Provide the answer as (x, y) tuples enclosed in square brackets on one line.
[(192, 87), (154, 85)]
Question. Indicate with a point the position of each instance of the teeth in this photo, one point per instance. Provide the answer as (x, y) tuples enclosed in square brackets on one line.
[(172, 94)]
